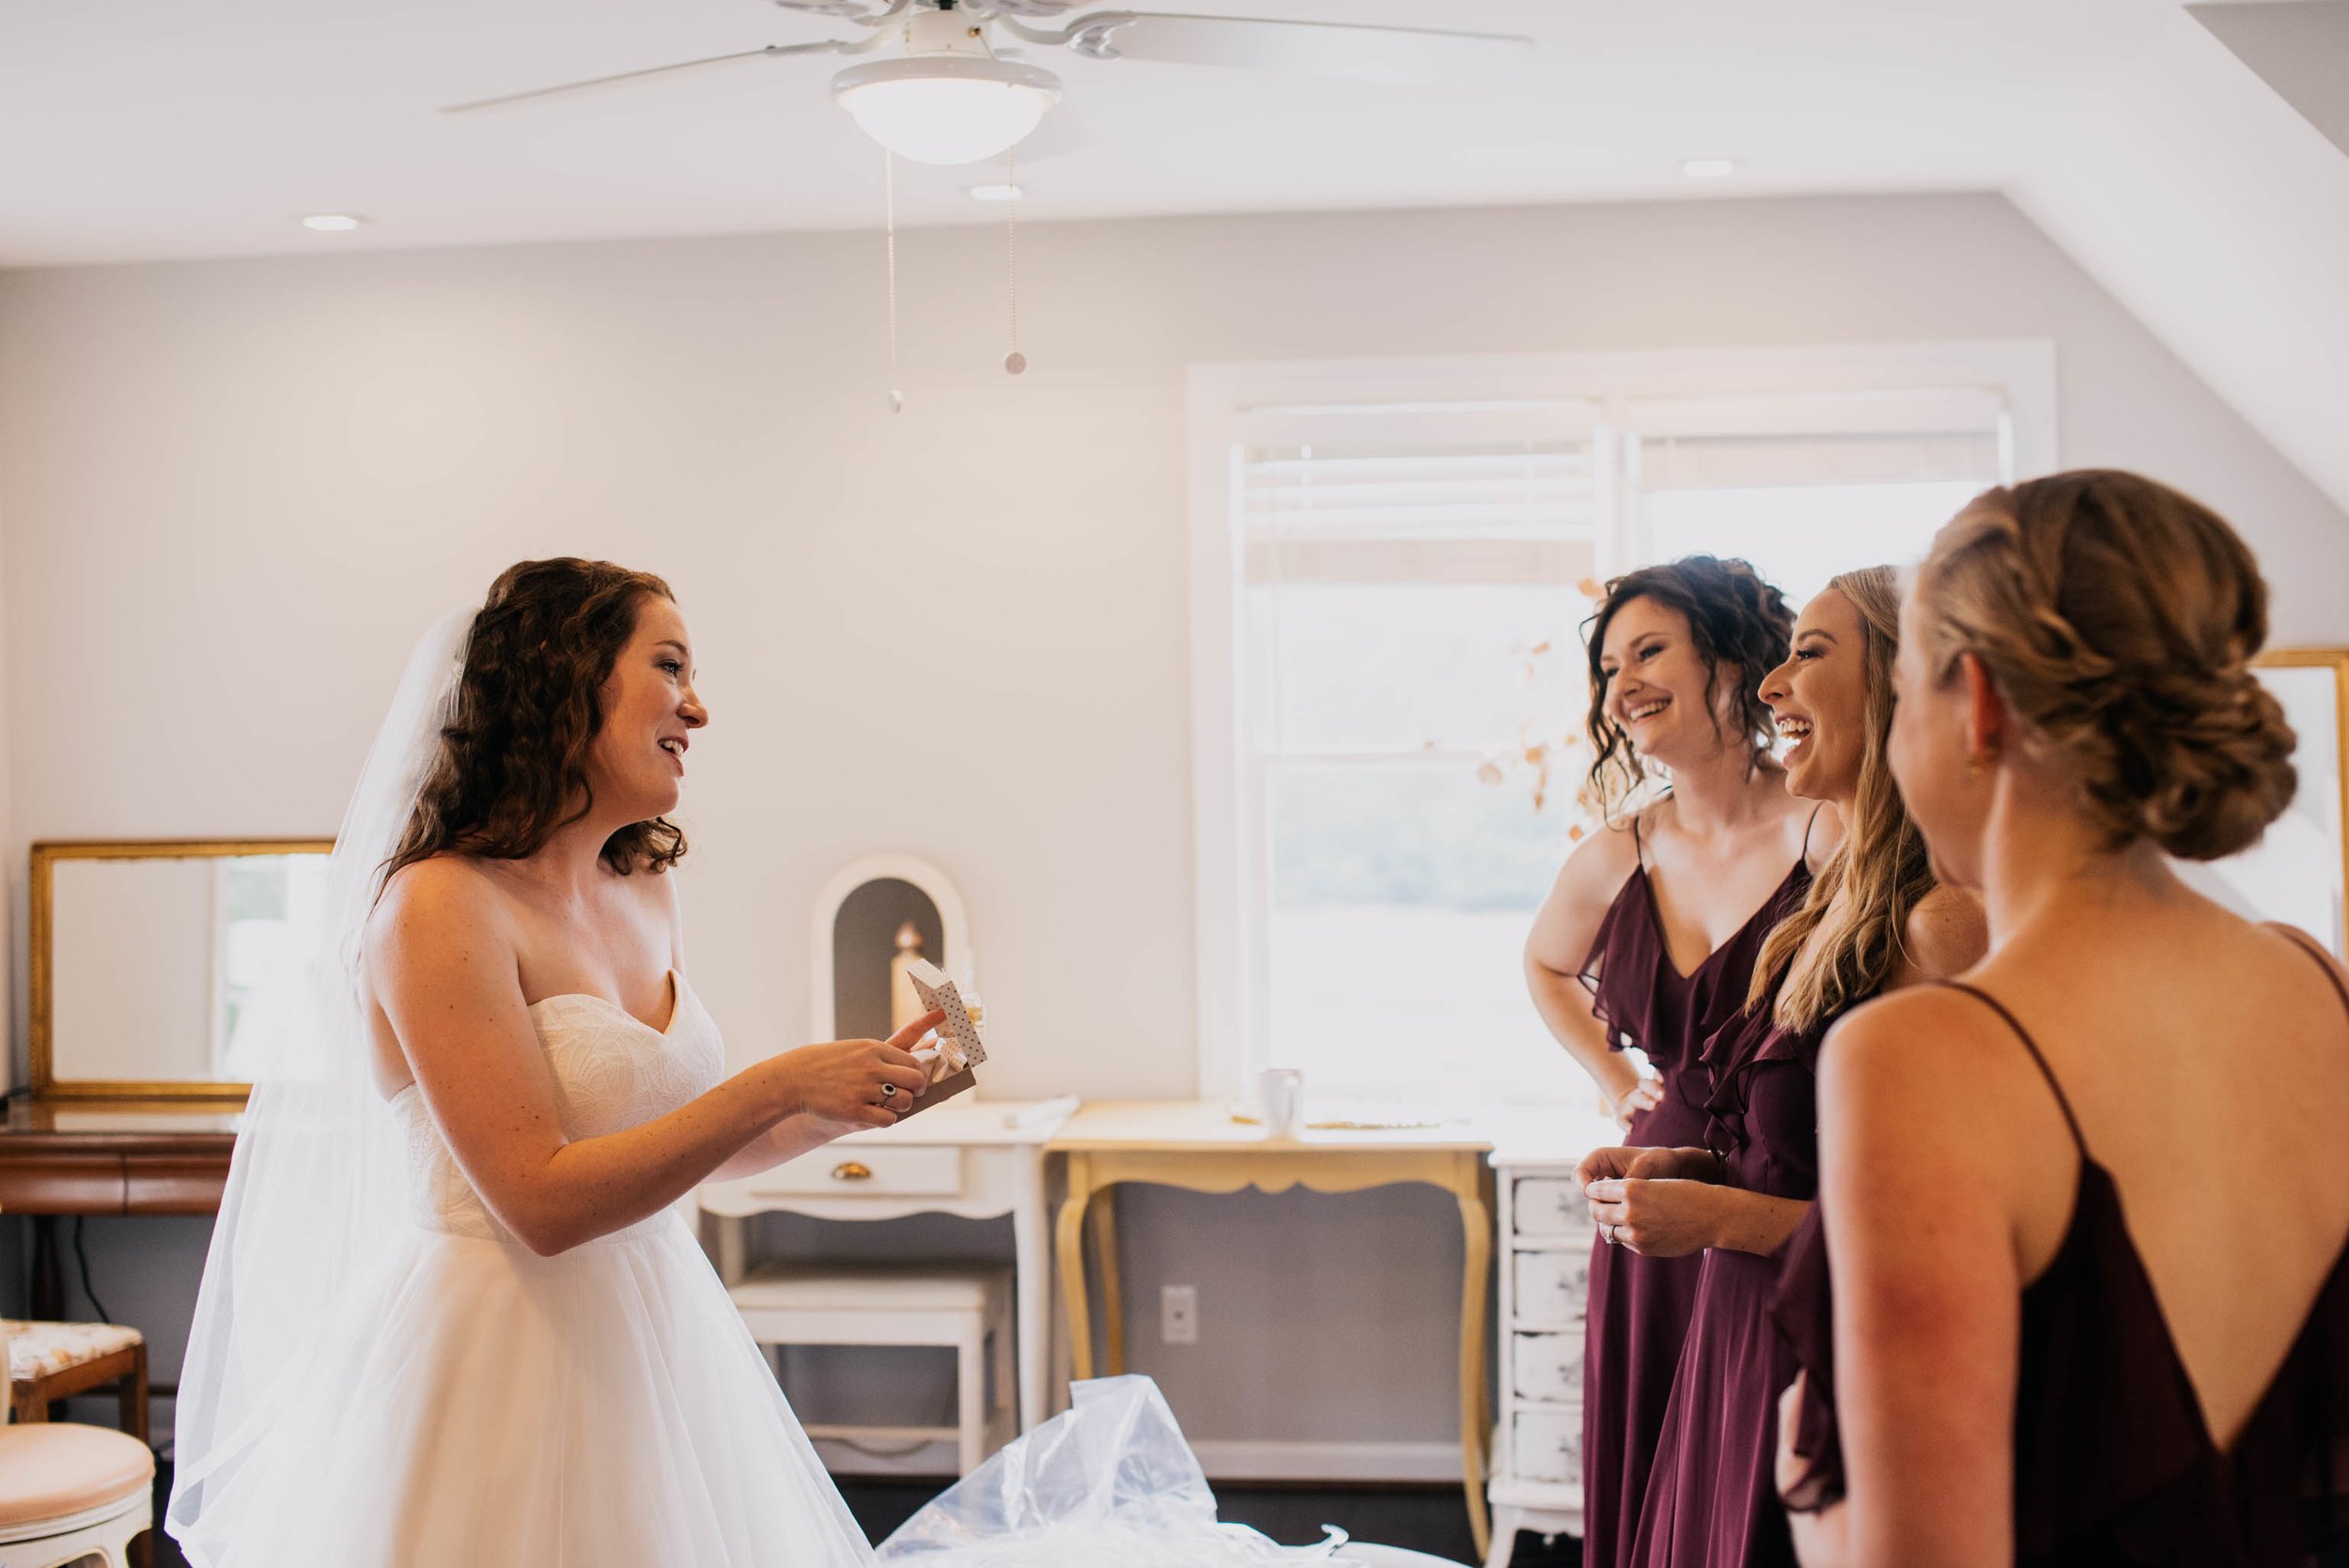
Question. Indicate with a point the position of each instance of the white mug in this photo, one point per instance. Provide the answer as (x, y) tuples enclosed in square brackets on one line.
[(1280, 1101)]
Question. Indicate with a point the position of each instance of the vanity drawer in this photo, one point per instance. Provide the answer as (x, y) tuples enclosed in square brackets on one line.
[(1551, 1206), (847, 1171), (1550, 1287), (1546, 1445), (1546, 1367)]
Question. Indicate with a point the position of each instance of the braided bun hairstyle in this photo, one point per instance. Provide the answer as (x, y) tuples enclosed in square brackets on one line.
[(1736, 618), (2118, 618)]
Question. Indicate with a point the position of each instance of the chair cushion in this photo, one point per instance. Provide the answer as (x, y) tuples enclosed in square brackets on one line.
[(871, 1287), (44, 1349), (55, 1471)]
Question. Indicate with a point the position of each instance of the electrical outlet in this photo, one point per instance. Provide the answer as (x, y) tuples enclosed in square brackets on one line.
[(1179, 1314)]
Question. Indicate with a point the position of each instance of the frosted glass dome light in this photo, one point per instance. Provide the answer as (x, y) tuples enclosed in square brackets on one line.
[(947, 109)]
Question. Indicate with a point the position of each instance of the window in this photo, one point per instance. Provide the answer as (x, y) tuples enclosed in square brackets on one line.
[(1391, 567), (1807, 485)]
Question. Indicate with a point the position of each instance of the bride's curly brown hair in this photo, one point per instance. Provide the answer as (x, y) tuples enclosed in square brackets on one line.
[(512, 765)]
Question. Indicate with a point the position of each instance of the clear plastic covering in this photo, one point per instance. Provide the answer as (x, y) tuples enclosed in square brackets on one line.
[(1109, 1480)]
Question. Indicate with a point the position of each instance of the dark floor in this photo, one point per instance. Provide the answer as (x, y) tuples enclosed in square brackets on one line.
[(1424, 1518)]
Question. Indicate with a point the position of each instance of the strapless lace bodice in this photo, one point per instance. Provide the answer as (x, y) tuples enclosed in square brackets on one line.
[(612, 1071)]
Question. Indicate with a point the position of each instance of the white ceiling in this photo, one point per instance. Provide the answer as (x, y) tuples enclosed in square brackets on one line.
[(139, 130)]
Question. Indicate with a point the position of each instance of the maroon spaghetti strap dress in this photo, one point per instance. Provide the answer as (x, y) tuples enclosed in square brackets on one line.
[(2114, 1465), (1639, 1306), (1711, 1501)]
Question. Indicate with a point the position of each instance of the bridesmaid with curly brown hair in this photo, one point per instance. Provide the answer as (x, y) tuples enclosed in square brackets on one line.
[(1649, 939), (2086, 1210)]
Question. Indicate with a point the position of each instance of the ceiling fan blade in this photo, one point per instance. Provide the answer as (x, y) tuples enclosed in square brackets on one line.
[(1340, 49), (824, 46), (847, 10)]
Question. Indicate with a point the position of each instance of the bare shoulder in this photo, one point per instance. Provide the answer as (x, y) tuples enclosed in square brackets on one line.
[(1947, 934), (445, 904), (2316, 950), (1569, 919), (1597, 867), (1924, 1053)]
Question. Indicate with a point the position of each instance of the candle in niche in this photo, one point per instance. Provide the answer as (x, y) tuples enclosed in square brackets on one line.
[(905, 1003)]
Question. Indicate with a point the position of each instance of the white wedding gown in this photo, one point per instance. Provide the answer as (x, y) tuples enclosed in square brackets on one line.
[(475, 1403)]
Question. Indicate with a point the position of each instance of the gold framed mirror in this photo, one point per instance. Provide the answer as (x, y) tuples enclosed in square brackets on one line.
[(2298, 872), (147, 956)]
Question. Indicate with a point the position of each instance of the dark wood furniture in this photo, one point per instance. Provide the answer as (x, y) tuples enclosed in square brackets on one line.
[(124, 1371), (107, 1158)]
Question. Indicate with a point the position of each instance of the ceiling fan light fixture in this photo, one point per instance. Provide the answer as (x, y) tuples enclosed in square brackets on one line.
[(947, 109)]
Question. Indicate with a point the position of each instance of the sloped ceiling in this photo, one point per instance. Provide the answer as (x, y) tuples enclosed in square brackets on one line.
[(2298, 47), (2220, 215)]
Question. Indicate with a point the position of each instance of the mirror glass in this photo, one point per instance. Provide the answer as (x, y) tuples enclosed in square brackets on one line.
[(157, 964), (2296, 872)]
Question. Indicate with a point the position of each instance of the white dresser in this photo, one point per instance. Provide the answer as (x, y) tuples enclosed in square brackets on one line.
[(968, 1157), (1546, 1237)]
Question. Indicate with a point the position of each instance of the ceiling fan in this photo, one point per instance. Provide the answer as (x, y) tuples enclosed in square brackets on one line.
[(939, 91)]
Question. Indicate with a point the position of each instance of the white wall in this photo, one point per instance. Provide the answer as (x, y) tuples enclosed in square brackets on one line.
[(231, 493), (2220, 215)]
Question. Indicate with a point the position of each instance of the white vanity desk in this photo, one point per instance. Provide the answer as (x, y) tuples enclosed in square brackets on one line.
[(962, 1157)]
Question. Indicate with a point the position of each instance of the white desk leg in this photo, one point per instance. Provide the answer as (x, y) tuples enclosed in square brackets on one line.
[(1033, 1260), (732, 1248)]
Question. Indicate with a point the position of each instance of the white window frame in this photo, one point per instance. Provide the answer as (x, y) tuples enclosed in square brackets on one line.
[(1232, 847)]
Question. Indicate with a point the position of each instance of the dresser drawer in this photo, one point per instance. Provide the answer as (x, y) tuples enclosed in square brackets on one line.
[(850, 1172), (1551, 1206), (1550, 1287), (1546, 1444), (1546, 1367)]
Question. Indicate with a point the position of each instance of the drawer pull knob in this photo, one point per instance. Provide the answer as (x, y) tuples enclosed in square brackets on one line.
[(853, 1171)]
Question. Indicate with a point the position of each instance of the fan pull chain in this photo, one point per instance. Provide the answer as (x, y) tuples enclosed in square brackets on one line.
[(889, 188), (1013, 362)]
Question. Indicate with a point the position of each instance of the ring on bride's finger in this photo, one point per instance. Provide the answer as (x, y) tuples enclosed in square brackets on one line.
[(889, 1092)]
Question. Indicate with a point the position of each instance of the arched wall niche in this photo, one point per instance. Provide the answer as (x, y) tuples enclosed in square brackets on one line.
[(854, 934)]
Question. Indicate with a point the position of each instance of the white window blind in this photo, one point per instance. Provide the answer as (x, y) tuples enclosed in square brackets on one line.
[(1805, 487), (1398, 566)]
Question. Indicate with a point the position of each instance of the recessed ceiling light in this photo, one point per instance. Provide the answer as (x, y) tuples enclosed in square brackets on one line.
[(996, 192), (332, 223), (1709, 168)]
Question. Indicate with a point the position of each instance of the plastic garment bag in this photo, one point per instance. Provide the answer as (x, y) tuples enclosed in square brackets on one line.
[(1109, 1480)]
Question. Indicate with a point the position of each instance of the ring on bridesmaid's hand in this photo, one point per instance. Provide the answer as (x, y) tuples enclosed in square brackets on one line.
[(889, 1092)]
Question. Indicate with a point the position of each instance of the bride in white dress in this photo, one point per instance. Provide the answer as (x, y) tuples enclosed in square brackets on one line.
[(452, 1314)]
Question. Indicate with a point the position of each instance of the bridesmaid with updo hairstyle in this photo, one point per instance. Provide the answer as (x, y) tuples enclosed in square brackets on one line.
[(1649, 940), (2084, 1212)]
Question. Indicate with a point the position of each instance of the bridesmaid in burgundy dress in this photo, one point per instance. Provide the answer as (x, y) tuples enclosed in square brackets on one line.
[(1872, 920), (2086, 1212), (1649, 940)]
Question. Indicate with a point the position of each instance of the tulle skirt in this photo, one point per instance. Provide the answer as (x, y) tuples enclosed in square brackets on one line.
[(478, 1405)]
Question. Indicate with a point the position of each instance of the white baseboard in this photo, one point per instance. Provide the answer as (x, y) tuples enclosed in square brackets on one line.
[(929, 1460), (1223, 1459), (1229, 1459)]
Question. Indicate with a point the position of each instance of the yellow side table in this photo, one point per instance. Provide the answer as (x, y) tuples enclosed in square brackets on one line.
[(1195, 1145)]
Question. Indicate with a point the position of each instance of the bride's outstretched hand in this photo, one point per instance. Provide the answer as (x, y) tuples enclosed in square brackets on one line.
[(859, 1084)]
